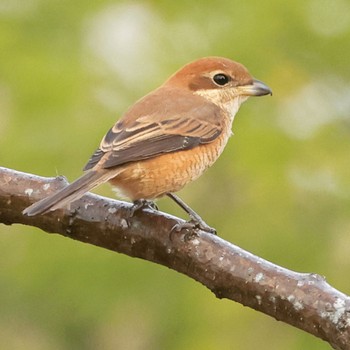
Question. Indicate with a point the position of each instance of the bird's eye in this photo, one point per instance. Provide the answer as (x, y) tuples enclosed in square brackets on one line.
[(221, 79)]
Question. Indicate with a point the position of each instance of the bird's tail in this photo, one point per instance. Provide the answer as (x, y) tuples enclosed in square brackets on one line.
[(70, 193)]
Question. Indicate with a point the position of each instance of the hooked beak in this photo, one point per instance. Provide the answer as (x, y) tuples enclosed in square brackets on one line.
[(256, 88)]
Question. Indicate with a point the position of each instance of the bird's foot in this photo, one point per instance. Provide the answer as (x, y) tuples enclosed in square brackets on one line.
[(192, 227), (141, 204), (194, 224)]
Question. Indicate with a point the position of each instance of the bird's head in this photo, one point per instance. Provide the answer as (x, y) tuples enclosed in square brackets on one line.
[(221, 81)]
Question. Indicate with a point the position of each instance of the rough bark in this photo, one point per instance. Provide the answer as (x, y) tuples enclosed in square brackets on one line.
[(305, 301)]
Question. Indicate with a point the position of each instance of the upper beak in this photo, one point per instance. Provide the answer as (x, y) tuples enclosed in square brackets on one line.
[(257, 88)]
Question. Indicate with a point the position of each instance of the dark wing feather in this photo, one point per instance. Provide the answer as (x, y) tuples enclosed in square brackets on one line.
[(151, 148), (95, 158), (147, 136)]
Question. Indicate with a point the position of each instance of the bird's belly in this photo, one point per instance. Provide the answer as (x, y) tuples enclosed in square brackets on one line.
[(153, 178)]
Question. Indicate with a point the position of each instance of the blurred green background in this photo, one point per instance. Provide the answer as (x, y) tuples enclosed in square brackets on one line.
[(281, 189)]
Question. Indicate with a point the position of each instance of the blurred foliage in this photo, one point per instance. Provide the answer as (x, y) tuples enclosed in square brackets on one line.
[(280, 190)]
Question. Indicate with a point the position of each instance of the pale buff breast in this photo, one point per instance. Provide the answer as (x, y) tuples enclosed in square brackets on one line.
[(153, 178)]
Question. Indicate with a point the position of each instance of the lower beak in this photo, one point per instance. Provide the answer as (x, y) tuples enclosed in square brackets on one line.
[(257, 88)]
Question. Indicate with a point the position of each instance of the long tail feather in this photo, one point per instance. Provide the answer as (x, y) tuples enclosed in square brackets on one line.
[(68, 194)]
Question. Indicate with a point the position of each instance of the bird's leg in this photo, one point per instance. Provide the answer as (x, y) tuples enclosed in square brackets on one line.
[(195, 222), (142, 204)]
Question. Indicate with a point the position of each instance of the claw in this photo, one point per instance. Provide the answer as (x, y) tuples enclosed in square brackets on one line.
[(196, 222), (192, 226), (141, 204)]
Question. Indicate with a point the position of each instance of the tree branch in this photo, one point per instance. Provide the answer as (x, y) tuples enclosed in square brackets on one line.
[(305, 301)]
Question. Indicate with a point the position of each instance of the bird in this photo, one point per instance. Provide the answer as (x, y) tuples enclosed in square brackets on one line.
[(167, 139)]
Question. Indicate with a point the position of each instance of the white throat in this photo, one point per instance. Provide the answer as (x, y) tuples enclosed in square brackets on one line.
[(224, 100)]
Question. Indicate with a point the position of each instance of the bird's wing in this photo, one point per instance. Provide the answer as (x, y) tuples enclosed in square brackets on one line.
[(149, 136)]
